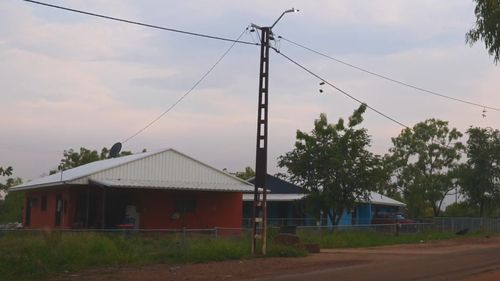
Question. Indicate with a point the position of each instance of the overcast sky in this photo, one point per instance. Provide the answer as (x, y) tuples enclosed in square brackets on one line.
[(69, 80)]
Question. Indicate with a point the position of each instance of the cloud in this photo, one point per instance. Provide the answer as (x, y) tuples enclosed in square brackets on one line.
[(71, 80)]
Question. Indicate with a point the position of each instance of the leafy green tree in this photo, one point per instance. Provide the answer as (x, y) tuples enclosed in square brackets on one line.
[(5, 171), (487, 27), (12, 205), (460, 209), (72, 158), (245, 175), (424, 161), (480, 175), (10, 182), (333, 164)]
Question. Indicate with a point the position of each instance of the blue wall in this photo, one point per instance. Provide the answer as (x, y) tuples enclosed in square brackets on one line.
[(364, 213), (281, 213)]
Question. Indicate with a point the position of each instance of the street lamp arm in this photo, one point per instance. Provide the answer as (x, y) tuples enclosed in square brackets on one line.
[(292, 10)]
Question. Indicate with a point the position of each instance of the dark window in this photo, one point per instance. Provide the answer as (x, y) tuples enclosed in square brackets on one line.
[(44, 203), (185, 204), (34, 202)]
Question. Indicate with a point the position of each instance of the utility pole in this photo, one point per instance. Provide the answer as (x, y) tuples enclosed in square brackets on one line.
[(259, 231), (259, 223)]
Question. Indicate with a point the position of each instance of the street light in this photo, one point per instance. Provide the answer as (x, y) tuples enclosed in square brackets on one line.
[(292, 10), (259, 224)]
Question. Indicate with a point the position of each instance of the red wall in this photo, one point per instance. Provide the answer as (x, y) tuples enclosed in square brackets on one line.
[(213, 209), (156, 209), (46, 219)]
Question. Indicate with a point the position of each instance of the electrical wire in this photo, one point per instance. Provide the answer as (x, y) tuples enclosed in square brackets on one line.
[(189, 91), (345, 93), (338, 89), (140, 23), (388, 78)]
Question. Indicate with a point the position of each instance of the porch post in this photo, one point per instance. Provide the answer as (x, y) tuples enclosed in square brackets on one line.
[(87, 209), (103, 218)]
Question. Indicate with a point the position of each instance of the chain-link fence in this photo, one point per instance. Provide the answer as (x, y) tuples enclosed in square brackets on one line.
[(457, 224), (438, 224)]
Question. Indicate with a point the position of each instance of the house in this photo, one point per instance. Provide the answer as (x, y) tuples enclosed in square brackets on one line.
[(286, 206), (284, 203), (152, 190)]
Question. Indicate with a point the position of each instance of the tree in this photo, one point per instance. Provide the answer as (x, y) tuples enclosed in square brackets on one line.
[(333, 164), (487, 27), (245, 175), (12, 205), (480, 175), (424, 160), (5, 171), (72, 158), (460, 209)]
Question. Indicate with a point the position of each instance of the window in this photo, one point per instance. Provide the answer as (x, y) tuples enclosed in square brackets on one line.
[(44, 203), (33, 201), (185, 204)]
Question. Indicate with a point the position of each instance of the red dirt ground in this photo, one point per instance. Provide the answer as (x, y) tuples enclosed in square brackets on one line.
[(467, 262)]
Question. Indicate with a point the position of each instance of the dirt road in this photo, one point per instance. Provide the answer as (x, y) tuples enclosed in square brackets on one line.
[(472, 259)]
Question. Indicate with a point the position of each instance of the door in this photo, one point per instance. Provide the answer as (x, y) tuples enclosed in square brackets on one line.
[(29, 204), (59, 209)]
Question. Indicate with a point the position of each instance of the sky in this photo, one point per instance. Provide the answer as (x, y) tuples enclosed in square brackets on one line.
[(71, 81)]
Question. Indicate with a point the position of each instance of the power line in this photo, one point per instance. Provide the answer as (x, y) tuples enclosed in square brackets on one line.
[(390, 79), (188, 92), (140, 23), (338, 89)]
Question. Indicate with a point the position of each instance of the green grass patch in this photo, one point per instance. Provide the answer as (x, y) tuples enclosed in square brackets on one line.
[(354, 239), (26, 256)]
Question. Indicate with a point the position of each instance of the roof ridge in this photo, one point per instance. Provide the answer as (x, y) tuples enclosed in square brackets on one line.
[(61, 180)]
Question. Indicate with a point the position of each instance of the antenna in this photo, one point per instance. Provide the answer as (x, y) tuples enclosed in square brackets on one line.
[(115, 150)]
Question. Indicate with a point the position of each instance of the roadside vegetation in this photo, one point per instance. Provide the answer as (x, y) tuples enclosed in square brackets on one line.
[(25, 256), (28, 256), (355, 239)]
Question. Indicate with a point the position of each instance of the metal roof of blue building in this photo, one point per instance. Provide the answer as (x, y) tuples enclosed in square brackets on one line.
[(278, 186)]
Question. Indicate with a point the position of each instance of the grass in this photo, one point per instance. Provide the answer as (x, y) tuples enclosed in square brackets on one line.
[(29, 256), (355, 239), (26, 256)]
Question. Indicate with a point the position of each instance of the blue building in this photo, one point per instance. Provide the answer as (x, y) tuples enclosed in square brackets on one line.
[(286, 206)]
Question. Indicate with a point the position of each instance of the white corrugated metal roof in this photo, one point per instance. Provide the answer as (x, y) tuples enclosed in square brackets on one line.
[(181, 185), (276, 197), (375, 198), (154, 168)]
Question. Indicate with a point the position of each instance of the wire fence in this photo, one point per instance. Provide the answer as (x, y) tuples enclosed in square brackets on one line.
[(438, 224), (458, 224)]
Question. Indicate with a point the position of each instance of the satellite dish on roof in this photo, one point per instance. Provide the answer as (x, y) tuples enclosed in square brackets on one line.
[(115, 150)]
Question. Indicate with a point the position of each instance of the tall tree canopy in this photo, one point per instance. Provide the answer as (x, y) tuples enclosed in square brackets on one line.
[(480, 175), (487, 27), (425, 159), (245, 175), (12, 205), (5, 171), (333, 164), (72, 158)]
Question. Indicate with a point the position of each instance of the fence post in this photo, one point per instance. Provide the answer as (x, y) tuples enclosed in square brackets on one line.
[(184, 237), (215, 232)]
